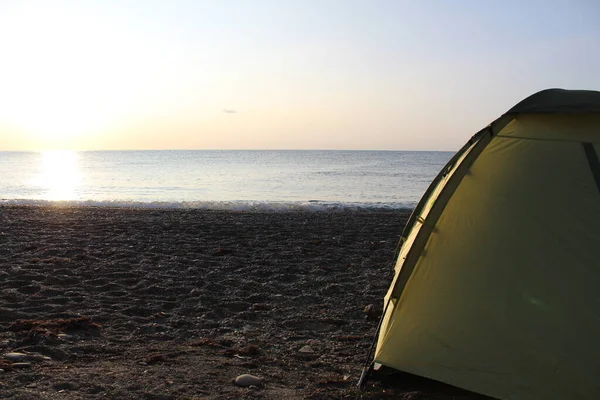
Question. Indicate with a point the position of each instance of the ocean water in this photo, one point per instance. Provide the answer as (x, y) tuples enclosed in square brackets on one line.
[(238, 180)]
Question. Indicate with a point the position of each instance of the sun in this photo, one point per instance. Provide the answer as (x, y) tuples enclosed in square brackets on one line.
[(65, 77), (52, 90), (59, 118)]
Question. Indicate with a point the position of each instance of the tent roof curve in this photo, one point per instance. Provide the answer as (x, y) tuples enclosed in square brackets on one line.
[(559, 101)]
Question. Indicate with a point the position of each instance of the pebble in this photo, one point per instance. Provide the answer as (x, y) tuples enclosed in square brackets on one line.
[(21, 365), (372, 312), (17, 357), (306, 349), (246, 380)]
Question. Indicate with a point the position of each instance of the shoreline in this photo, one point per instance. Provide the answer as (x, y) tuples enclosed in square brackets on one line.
[(185, 300), (231, 205)]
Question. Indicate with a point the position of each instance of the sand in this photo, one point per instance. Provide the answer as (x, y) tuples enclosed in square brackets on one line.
[(175, 304)]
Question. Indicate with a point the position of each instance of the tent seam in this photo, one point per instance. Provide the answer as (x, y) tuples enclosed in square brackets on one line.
[(593, 161), (538, 139)]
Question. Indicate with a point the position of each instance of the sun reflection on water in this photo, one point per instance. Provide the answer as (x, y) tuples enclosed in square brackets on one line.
[(59, 175)]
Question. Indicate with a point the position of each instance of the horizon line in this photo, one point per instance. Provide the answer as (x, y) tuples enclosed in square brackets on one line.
[(217, 149)]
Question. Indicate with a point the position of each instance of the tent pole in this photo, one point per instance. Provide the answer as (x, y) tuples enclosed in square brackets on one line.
[(368, 365)]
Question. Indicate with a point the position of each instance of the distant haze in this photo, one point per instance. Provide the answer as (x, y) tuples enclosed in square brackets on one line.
[(305, 74)]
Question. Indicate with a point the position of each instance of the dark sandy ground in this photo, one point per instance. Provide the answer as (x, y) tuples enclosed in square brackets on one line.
[(174, 304)]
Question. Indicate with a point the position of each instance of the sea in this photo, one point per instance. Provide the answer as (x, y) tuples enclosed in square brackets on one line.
[(265, 180)]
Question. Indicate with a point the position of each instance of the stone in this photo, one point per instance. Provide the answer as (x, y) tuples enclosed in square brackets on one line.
[(17, 356), (246, 380), (371, 312), (21, 365), (306, 349)]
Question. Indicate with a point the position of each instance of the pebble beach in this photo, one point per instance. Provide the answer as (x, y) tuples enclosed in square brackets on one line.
[(100, 302)]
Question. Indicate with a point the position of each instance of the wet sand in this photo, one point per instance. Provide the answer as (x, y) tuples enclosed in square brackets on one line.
[(174, 304)]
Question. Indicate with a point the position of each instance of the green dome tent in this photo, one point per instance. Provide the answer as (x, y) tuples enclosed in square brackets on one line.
[(497, 283)]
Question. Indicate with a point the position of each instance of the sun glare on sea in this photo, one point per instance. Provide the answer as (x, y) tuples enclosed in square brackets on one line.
[(59, 175)]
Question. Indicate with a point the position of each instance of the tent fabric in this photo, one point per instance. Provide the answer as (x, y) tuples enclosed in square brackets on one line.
[(501, 296), (559, 101)]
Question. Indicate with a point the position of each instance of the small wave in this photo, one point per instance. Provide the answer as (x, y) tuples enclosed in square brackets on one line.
[(242, 205)]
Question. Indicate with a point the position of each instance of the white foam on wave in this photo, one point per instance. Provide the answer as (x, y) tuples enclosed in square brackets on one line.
[(241, 205)]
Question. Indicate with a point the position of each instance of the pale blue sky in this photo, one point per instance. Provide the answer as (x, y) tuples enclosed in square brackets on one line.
[(323, 74)]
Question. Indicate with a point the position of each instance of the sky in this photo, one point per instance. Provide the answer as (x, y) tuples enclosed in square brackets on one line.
[(281, 74)]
